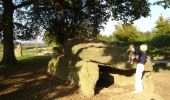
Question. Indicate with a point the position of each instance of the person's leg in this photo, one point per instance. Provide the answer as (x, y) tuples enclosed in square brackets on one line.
[(129, 59), (132, 58), (138, 78)]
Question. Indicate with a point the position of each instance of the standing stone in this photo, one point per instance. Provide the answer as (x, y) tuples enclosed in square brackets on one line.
[(18, 50), (148, 83), (88, 76), (52, 66), (79, 64), (148, 65), (147, 78)]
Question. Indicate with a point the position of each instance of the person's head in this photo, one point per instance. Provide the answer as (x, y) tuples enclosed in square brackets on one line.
[(143, 47), (131, 46)]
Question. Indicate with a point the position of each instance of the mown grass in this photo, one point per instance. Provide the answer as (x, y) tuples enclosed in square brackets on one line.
[(33, 59), (27, 60)]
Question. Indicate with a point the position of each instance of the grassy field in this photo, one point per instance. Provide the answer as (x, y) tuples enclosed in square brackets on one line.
[(30, 57), (29, 50)]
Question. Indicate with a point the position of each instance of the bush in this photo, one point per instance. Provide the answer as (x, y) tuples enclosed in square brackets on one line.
[(127, 33), (161, 41)]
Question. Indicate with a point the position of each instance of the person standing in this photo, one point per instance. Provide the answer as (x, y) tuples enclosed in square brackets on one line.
[(131, 51), (142, 58)]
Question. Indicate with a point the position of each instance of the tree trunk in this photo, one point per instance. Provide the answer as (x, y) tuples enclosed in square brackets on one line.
[(7, 19)]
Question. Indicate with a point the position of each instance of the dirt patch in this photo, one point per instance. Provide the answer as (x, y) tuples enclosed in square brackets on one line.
[(162, 84)]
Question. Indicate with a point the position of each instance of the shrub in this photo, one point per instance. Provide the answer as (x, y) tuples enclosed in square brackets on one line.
[(161, 41)]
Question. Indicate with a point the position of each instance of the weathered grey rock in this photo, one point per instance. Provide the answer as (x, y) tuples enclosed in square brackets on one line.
[(148, 82), (53, 65), (81, 60), (148, 65), (88, 76)]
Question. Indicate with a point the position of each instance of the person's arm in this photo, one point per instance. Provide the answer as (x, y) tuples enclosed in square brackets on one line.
[(128, 50)]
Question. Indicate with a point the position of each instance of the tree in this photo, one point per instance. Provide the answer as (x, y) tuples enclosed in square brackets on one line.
[(161, 33), (7, 28), (78, 19), (50, 39), (162, 27), (106, 38), (126, 32), (68, 15), (164, 3), (16, 24), (85, 18), (146, 36)]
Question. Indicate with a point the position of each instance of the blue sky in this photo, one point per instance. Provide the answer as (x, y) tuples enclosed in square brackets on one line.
[(142, 24)]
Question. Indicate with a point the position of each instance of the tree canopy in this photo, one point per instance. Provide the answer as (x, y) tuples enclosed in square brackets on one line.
[(162, 27), (65, 19), (163, 3), (161, 33), (126, 32), (83, 18)]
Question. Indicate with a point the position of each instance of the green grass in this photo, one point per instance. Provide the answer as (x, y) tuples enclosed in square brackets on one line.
[(28, 52), (28, 60), (31, 63)]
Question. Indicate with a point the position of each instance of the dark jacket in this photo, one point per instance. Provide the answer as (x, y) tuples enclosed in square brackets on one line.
[(142, 57)]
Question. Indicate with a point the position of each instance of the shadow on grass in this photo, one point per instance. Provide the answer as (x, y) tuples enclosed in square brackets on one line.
[(25, 63), (29, 81)]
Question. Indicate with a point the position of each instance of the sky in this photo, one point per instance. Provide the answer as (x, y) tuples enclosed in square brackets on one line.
[(142, 24)]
